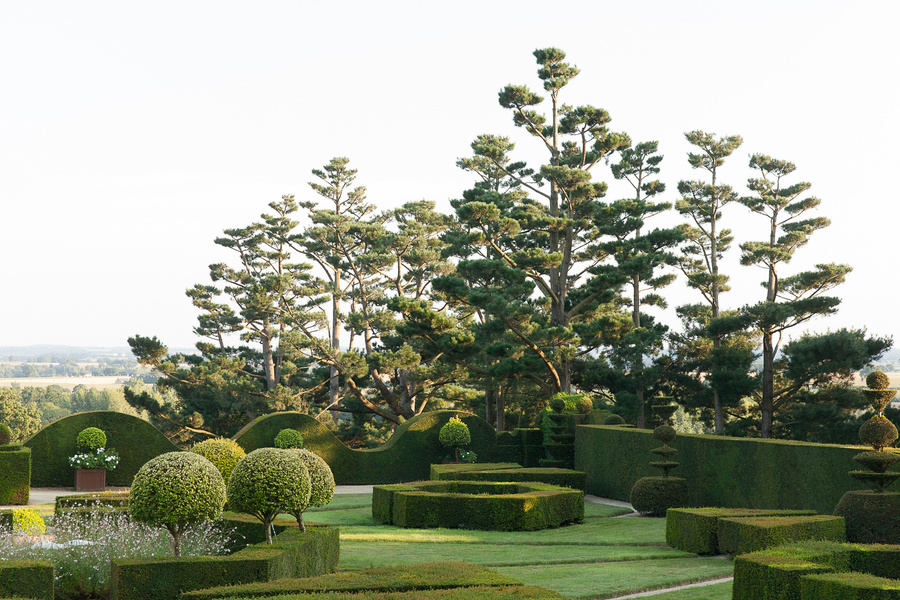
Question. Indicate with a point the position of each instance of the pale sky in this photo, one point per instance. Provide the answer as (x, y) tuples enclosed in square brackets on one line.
[(132, 134)]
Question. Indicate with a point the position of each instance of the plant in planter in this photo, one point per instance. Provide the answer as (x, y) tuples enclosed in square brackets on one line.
[(92, 460), (455, 434), (177, 490), (870, 514), (653, 496)]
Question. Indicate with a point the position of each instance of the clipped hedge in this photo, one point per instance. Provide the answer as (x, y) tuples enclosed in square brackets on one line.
[(294, 554), (696, 530), (422, 576), (722, 471), (777, 573), (872, 518), (406, 456), (449, 471), (135, 440), (517, 592), (27, 579), (492, 506), (848, 586), (560, 477), (750, 534), (15, 476), (87, 500)]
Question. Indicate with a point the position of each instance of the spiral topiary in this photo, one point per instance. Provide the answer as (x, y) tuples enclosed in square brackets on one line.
[(175, 490), (454, 434), (221, 452), (288, 438), (267, 482), (27, 522), (5, 434), (90, 440), (321, 481)]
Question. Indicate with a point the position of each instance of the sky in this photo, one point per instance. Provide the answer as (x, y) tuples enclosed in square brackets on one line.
[(133, 133)]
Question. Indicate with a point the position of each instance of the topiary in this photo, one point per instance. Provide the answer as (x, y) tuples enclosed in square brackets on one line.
[(176, 490), (878, 380), (266, 482), (321, 481), (289, 438), (557, 404), (584, 405), (5, 434), (90, 440), (221, 452), (878, 432), (454, 434), (27, 522), (653, 496), (614, 420)]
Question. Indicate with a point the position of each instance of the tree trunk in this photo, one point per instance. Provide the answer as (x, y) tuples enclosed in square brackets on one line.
[(767, 406), (642, 415), (501, 409)]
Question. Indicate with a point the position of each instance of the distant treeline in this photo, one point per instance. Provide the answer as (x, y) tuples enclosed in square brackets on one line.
[(126, 367)]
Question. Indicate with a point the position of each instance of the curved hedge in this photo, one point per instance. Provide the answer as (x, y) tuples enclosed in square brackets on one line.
[(406, 456), (135, 440)]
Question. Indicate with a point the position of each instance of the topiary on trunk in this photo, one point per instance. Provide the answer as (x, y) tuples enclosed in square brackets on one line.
[(455, 434), (321, 481), (222, 452), (653, 496)]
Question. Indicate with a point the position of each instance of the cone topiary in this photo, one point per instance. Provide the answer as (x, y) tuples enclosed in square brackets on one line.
[(288, 438), (221, 452), (5, 434), (90, 440)]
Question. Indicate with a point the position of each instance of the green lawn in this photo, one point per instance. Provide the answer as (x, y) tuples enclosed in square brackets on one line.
[(601, 558)]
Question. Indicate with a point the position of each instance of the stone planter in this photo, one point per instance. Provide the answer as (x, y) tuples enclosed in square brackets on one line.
[(90, 480)]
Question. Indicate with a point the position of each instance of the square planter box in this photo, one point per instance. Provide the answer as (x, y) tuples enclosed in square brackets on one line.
[(90, 480)]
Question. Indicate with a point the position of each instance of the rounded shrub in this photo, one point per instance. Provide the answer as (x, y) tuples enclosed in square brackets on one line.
[(877, 380), (614, 420), (266, 482), (454, 434), (321, 481), (288, 438), (175, 490), (665, 433), (653, 496), (27, 522), (584, 405), (878, 432), (221, 452), (871, 518), (5, 434), (557, 405), (90, 440)]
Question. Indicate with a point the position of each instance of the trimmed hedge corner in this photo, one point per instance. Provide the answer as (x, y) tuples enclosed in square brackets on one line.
[(492, 506), (294, 554), (848, 586), (750, 534), (696, 530), (406, 456), (15, 476), (477, 472), (401, 578), (136, 441), (27, 579)]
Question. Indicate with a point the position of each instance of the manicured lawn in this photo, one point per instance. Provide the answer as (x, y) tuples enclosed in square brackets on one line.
[(601, 558)]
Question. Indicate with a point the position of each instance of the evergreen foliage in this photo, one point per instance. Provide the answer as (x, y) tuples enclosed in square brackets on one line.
[(288, 438), (90, 440), (221, 452)]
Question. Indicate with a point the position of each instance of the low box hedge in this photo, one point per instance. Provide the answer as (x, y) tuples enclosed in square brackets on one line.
[(848, 586), (739, 535), (696, 530), (448, 471), (778, 573), (551, 476), (114, 499), (27, 579), (294, 554), (493, 506), (15, 476), (422, 576)]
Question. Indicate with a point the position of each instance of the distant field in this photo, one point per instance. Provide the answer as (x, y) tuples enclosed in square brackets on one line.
[(103, 383)]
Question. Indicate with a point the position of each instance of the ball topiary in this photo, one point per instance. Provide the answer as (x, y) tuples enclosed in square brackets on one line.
[(878, 432), (557, 405), (5, 434), (454, 434), (288, 438), (90, 440), (321, 481), (653, 496), (877, 380), (614, 420), (175, 490), (221, 452), (27, 522), (665, 433), (584, 405), (267, 482)]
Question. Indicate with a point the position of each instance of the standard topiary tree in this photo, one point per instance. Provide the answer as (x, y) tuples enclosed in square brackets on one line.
[(455, 434), (221, 452), (175, 490), (5, 434), (90, 440), (321, 481), (653, 496), (266, 482), (288, 438)]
